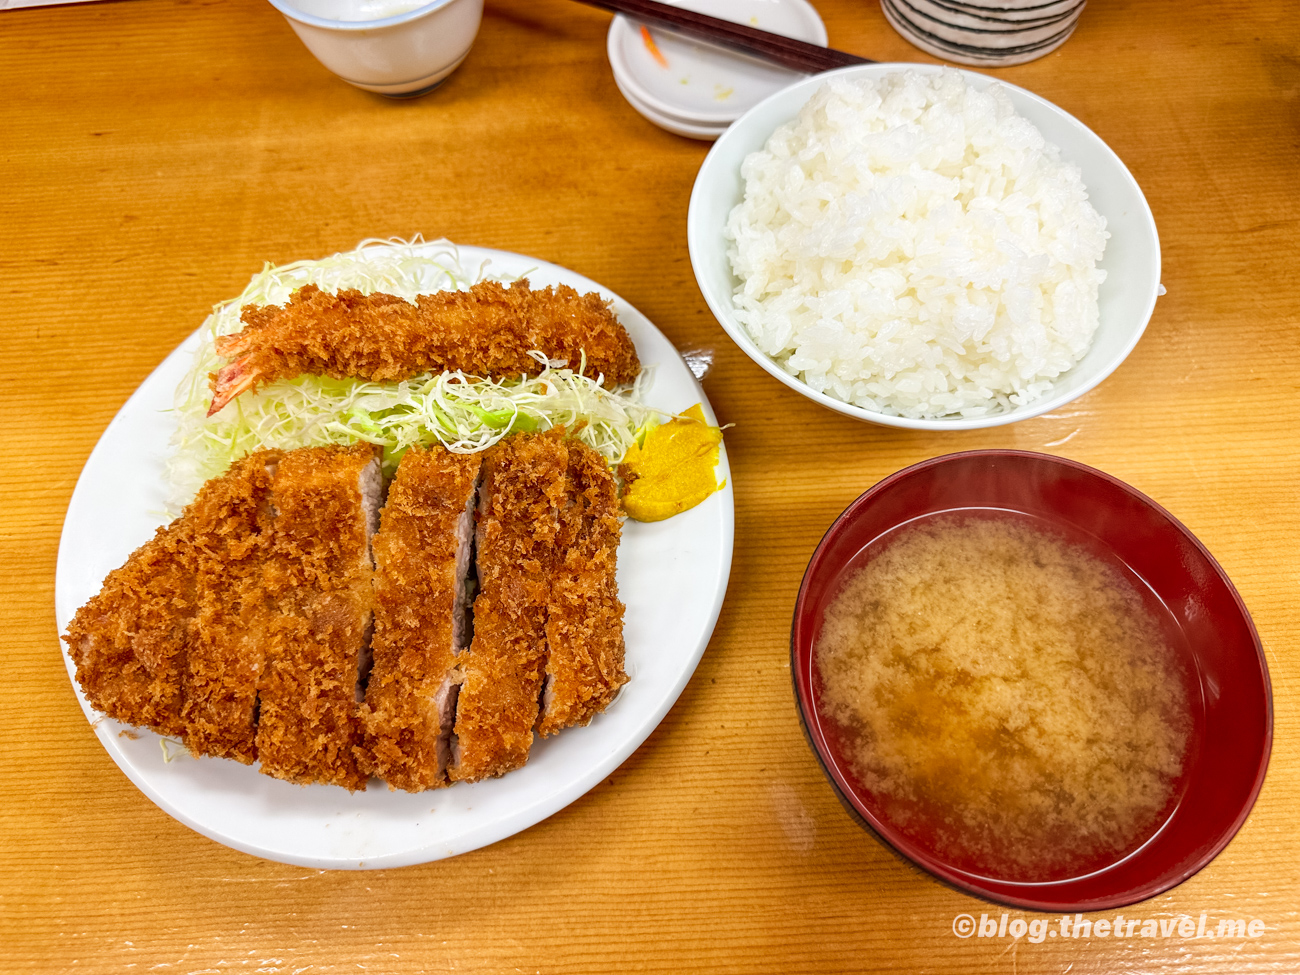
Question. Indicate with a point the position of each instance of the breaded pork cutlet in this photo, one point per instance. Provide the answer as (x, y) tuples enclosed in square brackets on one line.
[(226, 656), (131, 641), (584, 625), (318, 576), (523, 492), (422, 562), (485, 331), (244, 627), (138, 644)]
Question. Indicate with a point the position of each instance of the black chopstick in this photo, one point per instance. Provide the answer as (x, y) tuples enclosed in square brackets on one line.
[(786, 51)]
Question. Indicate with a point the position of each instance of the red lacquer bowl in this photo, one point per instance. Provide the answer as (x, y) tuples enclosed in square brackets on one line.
[(1233, 714)]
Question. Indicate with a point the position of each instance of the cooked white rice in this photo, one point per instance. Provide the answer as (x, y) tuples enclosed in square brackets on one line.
[(913, 246)]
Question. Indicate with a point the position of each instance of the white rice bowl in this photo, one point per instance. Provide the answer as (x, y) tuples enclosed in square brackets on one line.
[(910, 245)]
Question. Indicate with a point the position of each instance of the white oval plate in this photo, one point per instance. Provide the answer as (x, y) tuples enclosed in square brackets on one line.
[(1132, 260), (672, 575)]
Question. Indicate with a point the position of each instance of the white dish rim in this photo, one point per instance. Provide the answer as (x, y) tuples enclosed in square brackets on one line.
[(748, 133), (628, 81), (377, 23), (687, 130)]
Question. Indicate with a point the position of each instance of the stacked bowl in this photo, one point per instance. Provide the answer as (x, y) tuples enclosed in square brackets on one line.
[(985, 32), (697, 90)]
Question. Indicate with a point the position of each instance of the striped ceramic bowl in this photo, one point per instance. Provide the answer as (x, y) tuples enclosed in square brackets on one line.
[(985, 32)]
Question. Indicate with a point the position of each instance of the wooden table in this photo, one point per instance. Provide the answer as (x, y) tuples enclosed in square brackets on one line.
[(154, 153)]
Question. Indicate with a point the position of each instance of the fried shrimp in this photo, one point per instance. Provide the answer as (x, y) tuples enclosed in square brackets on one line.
[(488, 330)]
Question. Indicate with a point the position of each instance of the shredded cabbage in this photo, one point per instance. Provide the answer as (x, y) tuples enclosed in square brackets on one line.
[(464, 413)]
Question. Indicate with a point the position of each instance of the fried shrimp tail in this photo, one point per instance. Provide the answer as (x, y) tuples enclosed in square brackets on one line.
[(486, 331), (233, 379)]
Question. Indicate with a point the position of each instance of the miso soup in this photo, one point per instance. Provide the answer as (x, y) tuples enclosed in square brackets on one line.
[(1008, 698)]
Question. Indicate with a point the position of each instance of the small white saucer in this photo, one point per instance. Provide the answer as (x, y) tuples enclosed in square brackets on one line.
[(677, 126), (703, 87)]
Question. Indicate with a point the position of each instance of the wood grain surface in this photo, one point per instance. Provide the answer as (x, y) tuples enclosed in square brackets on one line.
[(154, 153)]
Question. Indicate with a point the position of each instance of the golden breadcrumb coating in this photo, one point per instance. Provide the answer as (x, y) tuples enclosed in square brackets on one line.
[(486, 331), (421, 557), (584, 625), (318, 575), (226, 655), (134, 643), (130, 641), (523, 490), (244, 627)]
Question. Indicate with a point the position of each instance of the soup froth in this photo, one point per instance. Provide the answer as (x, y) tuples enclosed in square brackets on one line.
[(1007, 697)]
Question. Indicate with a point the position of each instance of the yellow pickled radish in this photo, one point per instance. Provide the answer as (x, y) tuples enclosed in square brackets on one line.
[(672, 469)]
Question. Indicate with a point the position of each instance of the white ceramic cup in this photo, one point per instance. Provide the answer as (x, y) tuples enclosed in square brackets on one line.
[(401, 48)]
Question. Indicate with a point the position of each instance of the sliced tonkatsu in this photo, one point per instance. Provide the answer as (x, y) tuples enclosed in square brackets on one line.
[(422, 601), (524, 490), (584, 623), (240, 628), (131, 641), (227, 653), (318, 576), (143, 648), (284, 619)]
